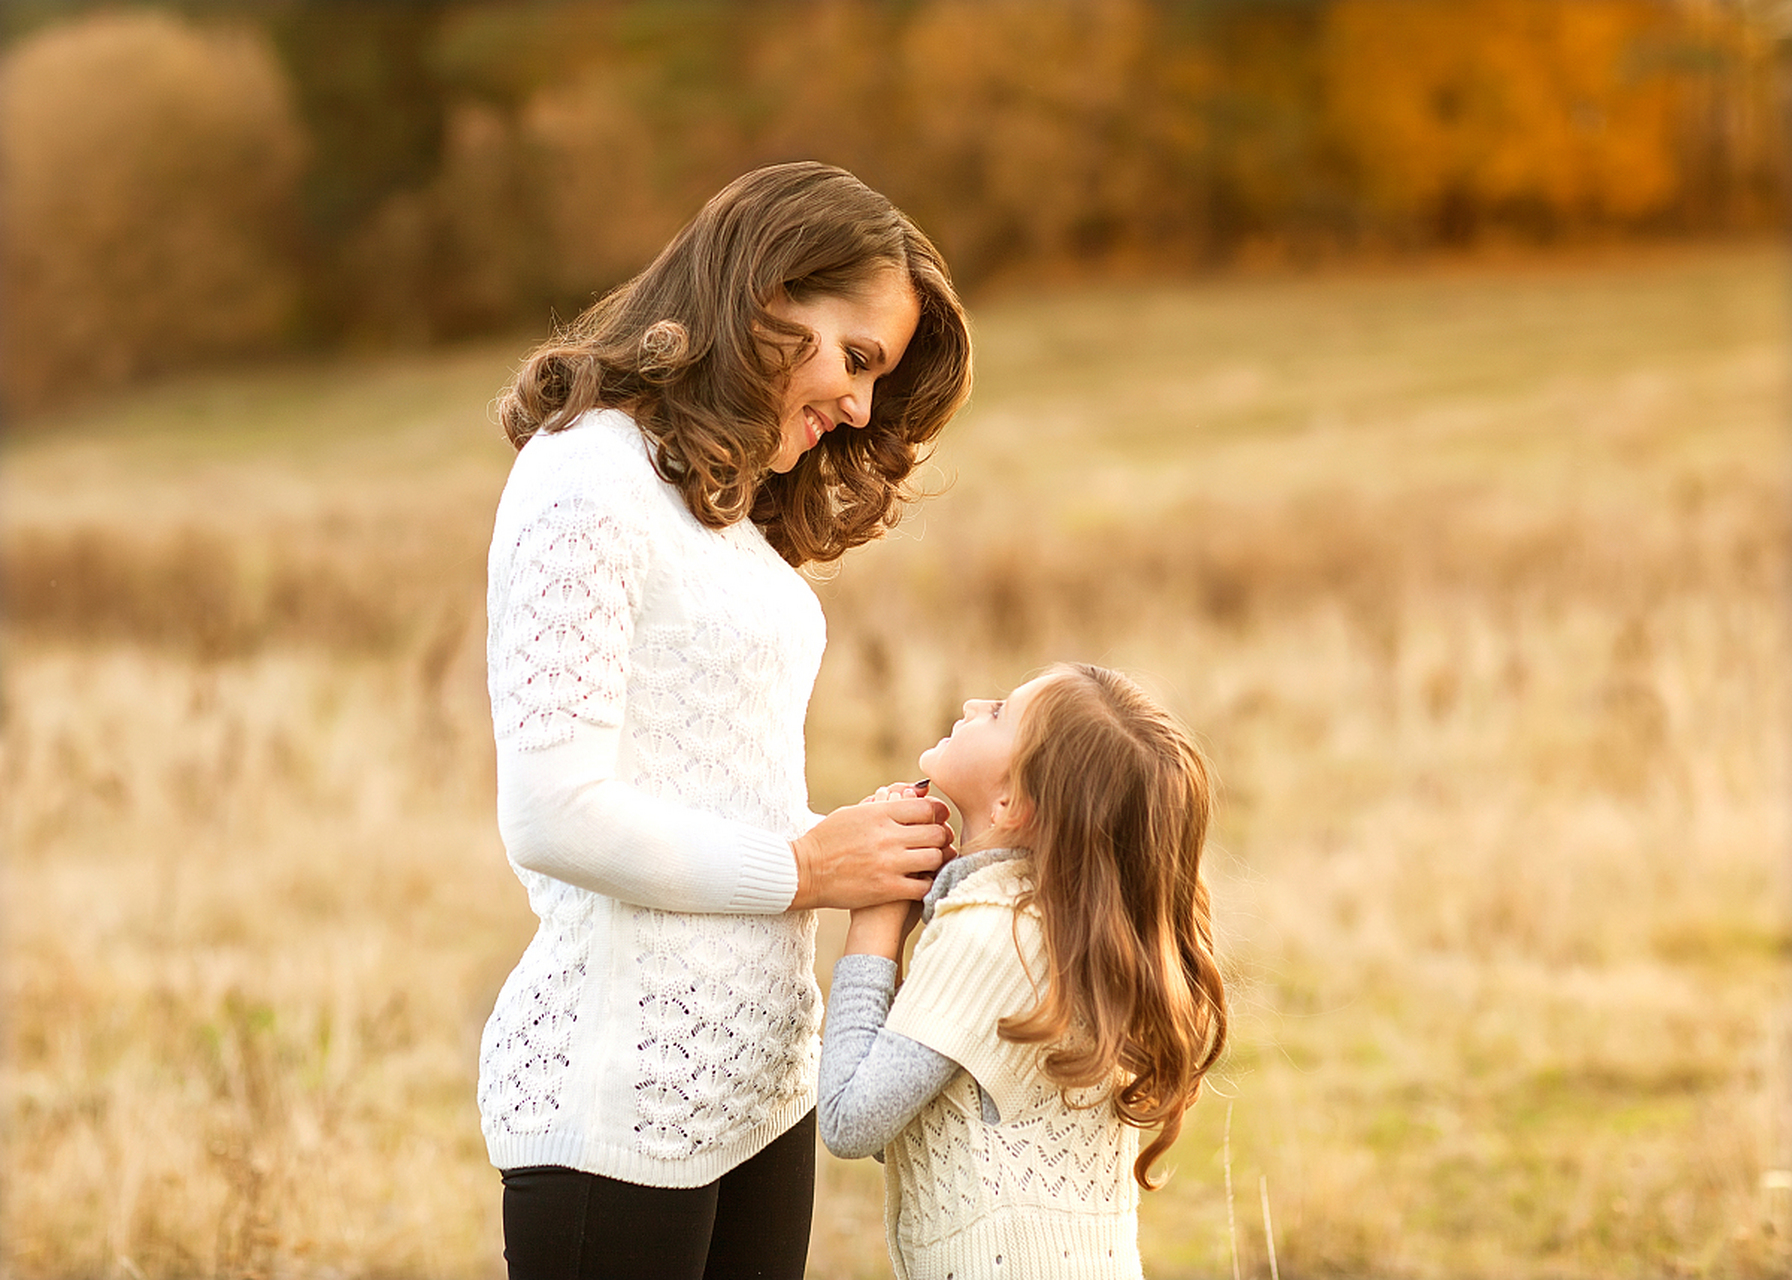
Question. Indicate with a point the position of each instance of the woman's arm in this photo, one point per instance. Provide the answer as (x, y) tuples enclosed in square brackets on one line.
[(570, 560), (575, 537), (562, 813)]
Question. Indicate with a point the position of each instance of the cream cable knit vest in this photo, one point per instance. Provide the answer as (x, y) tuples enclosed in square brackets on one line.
[(1048, 1192), (651, 1039)]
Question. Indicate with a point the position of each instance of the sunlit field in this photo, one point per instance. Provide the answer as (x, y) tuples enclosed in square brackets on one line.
[(1471, 578)]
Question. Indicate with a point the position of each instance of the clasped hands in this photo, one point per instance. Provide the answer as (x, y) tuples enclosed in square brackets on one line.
[(876, 858)]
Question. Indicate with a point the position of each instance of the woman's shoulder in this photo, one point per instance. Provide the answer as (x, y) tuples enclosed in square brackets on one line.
[(600, 460), (607, 437)]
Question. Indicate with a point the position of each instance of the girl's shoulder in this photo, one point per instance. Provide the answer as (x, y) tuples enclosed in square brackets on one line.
[(992, 878), (980, 928)]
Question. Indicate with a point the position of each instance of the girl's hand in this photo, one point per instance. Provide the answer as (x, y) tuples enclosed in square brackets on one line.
[(866, 854), (881, 930), (896, 791)]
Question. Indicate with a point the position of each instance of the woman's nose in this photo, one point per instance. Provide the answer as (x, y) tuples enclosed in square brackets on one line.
[(855, 405)]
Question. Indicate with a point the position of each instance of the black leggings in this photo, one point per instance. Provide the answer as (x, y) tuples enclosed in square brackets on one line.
[(560, 1224)]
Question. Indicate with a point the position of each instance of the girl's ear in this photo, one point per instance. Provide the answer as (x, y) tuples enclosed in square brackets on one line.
[(1010, 812)]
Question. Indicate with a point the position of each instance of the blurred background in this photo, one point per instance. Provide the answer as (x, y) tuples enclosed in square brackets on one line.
[(191, 182), (1397, 386)]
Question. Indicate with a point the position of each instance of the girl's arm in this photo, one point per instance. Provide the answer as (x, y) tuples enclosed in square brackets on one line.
[(873, 1081)]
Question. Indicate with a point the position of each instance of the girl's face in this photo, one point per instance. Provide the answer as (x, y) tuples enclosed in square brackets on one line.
[(859, 337), (970, 765)]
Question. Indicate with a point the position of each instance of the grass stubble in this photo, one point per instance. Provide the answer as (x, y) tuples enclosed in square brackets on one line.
[(1473, 582)]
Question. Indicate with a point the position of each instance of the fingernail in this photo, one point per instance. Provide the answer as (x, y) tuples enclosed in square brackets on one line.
[(922, 785)]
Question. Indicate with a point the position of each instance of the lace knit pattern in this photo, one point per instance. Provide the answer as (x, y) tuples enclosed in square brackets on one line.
[(654, 1046), (704, 1028), (955, 1169), (540, 1000), (562, 599)]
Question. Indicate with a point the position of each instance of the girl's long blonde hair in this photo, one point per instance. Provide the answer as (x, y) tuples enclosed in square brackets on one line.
[(1112, 798)]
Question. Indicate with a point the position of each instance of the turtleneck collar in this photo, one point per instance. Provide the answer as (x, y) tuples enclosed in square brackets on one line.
[(960, 868)]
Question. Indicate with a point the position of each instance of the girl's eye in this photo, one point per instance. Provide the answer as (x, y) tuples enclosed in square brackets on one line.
[(995, 711), (856, 363)]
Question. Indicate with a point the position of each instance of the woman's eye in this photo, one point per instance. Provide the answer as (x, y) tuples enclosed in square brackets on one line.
[(856, 363)]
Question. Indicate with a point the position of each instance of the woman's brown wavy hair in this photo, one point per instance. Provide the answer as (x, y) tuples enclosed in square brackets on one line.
[(689, 349), (1112, 799)]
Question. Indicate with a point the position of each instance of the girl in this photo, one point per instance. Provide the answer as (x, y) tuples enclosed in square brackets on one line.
[(755, 400), (1064, 997)]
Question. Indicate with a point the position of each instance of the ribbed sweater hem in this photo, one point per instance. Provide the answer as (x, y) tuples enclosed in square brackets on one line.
[(589, 1154), (1026, 1243)]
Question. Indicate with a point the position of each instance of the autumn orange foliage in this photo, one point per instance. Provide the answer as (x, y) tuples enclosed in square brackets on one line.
[(1548, 109), (1029, 136)]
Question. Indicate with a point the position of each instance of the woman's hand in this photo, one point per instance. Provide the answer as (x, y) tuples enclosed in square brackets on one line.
[(871, 853), (881, 930)]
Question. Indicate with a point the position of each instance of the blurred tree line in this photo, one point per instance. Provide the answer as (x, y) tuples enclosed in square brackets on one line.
[(189, 181)]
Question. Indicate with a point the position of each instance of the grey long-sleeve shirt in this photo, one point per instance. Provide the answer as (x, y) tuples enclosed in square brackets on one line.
[(872, 1080)]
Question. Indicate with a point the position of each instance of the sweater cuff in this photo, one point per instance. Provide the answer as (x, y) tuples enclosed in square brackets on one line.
[(767, 880)]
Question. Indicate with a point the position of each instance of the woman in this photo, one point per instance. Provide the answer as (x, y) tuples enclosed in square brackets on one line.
[(752, 402)]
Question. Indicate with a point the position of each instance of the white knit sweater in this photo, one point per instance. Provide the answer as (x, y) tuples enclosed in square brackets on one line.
[(649, 679), (1046, 1191)]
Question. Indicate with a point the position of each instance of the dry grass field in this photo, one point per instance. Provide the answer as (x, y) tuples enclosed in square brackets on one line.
[(1473, 579)]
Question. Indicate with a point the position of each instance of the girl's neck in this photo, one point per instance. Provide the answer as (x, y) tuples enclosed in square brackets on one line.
[(971, 829), (978, 835)]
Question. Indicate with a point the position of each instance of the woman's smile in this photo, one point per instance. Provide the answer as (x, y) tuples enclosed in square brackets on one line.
[(857, 338)]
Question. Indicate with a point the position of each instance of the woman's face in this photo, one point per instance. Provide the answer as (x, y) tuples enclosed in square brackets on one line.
[(859, 337)]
